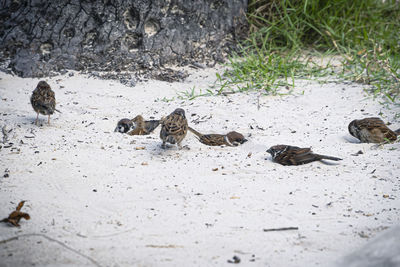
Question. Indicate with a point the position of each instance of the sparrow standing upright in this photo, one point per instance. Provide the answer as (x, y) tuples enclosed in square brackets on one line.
[(43, 100), (174, 128), (372, 130), (293, 155), (230, 139)]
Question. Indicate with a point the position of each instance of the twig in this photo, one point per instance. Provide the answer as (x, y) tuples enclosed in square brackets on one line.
[(52, 240), (281, 229), (258, 101), (228, 93), (5, 134), (197, 65)]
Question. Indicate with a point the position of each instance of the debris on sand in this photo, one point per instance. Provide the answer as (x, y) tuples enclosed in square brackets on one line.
[(16, 215), (234, 260)]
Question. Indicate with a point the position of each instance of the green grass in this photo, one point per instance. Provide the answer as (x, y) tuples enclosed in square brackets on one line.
[(192, 93), (285, 33)]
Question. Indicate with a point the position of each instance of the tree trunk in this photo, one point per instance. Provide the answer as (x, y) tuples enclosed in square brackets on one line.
[(41, 38)]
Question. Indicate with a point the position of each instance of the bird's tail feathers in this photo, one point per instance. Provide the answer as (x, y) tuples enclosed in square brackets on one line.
[(329, 157), (194, 131), (151, 125)]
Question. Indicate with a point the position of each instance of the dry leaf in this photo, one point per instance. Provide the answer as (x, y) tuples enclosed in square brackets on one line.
[(385, 196), (249, 155), (140, 148), (17, 215), (214, 169), (145, 163), (234, 197), (20, 205)]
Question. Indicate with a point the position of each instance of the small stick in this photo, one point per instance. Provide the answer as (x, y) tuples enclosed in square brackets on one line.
[(281, 229), (228, 93), (5, 134)]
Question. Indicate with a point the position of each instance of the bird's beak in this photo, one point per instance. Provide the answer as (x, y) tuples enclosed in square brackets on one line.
[(269, 151), (244, 141), (116, 129)]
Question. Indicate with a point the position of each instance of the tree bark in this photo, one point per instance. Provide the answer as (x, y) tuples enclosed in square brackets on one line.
[(41, 38)]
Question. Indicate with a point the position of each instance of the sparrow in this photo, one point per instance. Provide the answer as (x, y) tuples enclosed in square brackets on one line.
[(136, 126), (142, 127), (124, 126), (43, 100), (174, 128), (372, 130), (230, 139), (293, 155)]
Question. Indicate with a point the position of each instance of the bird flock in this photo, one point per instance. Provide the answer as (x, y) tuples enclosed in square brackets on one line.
[(174, 128)]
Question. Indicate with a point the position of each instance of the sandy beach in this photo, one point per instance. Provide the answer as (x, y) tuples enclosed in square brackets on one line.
[(101, 198)]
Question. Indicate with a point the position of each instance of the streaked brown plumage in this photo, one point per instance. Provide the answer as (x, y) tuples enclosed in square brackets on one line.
[(136, 126), (43, 100), (230, 139), (174, 128), (293, 155), (142, 127), (372, 130)]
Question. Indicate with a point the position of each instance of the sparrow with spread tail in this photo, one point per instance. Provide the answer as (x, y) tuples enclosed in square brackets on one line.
[(142, 127), (230, 139), (293, 155), (43, 100), (372, 130), (136, 126), (174, 128)]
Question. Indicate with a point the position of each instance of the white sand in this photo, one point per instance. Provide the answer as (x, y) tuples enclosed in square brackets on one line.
[(169, 208)]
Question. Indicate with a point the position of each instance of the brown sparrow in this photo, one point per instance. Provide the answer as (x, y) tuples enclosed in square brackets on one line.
[(136, 126), (372, 130), (293, 155), (123, 126), (142, 127), (174, 128), (43, 100), (230, 139)]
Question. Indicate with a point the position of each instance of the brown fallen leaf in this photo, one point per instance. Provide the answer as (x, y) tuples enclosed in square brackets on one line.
[(16, 215), (235, 197), (140, 148), (145, 163), (214, 169), (249, 155), (385, 196)]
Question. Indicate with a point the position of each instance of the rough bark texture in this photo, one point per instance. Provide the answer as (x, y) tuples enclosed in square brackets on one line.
[(39, 38)]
